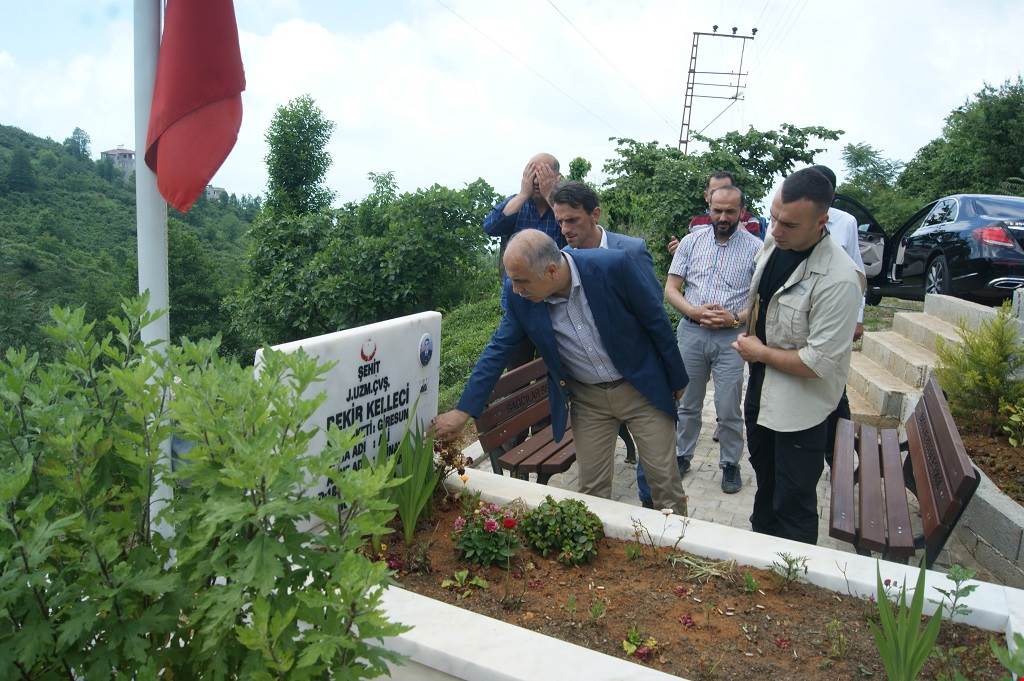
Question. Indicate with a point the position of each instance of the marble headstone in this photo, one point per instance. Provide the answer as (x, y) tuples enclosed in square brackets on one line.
[(386, 375)]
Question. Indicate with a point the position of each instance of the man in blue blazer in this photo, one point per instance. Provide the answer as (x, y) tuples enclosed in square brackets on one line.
[(597, 319)]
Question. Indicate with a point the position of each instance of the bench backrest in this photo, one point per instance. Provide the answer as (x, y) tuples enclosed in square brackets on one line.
[(518, 402), (943, 475)]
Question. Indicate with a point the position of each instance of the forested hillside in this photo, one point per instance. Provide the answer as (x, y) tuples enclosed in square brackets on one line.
[(67, 237)]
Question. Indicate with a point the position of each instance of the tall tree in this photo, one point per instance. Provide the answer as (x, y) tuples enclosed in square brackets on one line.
[(578, 169), (871, 179), (21, 176), (981, 146), (653, 191), (78, 144), (298, 160)]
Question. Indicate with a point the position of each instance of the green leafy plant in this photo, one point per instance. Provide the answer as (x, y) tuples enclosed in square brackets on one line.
[(487, 535), (570, 606), (638, 645), (948, 662), (461, 581), (567, 527), (1014, 426), (750, 584), (1012, 662), (598, 608), (981, 373), (634, 551), (416, 475), (959, 575), (789, 568), (836, 639), (902, 644), (114, 566)]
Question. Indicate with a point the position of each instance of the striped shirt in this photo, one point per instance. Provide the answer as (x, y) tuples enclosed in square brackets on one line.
[(579, 342), (716, 273)]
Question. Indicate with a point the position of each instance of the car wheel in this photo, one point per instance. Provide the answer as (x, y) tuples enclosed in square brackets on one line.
[(872, 298), (936, 280)]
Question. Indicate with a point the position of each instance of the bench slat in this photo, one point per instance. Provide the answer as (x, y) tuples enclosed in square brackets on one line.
[(872, 521), (515, 425), (925, 497), (561, 461), (509, 406), (515, 379), (899, 531), (534, 464), (843, 524), (526, 449), (959, 473)]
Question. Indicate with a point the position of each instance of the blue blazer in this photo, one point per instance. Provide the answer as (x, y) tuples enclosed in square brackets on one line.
[(626, 303)]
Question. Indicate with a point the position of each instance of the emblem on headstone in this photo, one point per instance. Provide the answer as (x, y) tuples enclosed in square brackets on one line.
[(367, 350), (426, 349)]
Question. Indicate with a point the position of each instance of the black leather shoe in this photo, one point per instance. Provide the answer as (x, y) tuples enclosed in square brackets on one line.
[(684, 467)]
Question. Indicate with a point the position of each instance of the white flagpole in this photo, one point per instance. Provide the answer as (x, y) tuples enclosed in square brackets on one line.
[(150, 208)]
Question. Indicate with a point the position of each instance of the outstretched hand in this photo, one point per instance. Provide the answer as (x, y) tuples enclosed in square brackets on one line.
[(449, 425)]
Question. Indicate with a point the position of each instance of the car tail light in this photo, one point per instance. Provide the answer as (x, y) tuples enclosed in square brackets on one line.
[(994, 236)]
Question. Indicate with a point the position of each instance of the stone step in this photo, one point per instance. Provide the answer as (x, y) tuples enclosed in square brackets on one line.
[(887, 395), (923, 329), (905, 359), (953, 310), (861, 411)]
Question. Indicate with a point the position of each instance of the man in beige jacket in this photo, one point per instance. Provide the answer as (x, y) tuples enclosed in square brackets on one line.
[(805, 296)]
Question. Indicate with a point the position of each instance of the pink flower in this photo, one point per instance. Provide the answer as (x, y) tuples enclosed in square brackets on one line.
[(459, 523), (887, 582), (490, 525)]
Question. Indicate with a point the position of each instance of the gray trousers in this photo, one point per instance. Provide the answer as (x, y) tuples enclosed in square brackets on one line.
[(708, 353)]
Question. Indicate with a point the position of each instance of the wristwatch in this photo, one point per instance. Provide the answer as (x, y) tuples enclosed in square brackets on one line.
[(736, 322)]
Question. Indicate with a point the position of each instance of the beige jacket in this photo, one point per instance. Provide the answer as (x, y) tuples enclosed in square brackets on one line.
[(815, 312)]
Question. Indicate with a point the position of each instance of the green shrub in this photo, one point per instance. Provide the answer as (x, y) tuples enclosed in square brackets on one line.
[(981, 373), (487, 534), (567, 527), (1014, 426), (103, 575)]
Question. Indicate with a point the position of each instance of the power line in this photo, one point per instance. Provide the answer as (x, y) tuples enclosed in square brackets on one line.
[(612, 65), (790, 23), (529, 68)]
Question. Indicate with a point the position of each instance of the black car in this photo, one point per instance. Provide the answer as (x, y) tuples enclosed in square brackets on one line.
[(966, 245)]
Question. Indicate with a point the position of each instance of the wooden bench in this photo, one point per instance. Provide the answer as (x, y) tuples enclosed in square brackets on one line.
[(870, 478), (514, 428)]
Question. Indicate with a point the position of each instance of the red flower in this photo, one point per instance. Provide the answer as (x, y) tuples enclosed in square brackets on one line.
[(887, 582), (509, 523)]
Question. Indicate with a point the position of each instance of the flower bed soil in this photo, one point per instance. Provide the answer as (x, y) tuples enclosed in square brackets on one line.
[(1002, 462), (704, 630)]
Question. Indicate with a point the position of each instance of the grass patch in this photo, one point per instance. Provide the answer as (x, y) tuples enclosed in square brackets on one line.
[(879, 317)]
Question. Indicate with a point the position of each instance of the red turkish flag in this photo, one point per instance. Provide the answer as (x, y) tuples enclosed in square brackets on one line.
[(197, 100)]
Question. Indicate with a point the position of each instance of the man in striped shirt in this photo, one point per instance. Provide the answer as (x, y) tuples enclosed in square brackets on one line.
[(709, 283)]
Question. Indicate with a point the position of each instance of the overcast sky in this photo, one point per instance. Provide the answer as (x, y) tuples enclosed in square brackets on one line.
[(450, 90)]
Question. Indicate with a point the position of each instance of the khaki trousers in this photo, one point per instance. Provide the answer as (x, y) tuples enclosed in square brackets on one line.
[(596, 414)]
